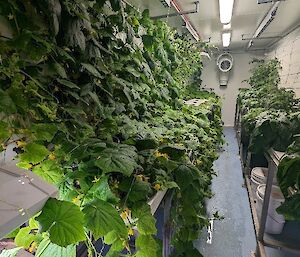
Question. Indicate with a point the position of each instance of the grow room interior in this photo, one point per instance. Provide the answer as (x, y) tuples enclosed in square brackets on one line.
[(155, 128)]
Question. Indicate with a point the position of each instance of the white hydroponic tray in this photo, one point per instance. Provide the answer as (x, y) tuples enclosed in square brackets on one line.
[(22, 195)]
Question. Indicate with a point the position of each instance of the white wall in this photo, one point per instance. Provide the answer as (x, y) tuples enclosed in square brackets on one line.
[(287, 50), (239, 72)]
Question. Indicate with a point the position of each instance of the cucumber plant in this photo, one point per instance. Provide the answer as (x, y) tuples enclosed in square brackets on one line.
[(95, 92)]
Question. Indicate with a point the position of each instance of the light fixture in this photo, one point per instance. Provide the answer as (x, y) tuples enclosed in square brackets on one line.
[(227, 26), (226, 38), (226, 7)]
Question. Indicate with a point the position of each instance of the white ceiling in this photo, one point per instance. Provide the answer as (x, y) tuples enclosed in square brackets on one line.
[(247, 15)]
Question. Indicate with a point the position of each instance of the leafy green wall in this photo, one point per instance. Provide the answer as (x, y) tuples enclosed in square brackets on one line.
[(271, 119), (95, 92)]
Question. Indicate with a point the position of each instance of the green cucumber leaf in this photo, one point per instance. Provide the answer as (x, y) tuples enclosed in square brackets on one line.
[(7, 104), (174, 151), (102, 218), (60, 70), (138, 191), (146, 222), (116, 242), (4, 133), (68, 84), (119, 159), (102, 191), (291, 208), (24, 165), (10, 253), (64, 222), (115, 4), (34, 153), (44, 131), (146, 246), (24, 238), (92, 70), (49, 171), (47, 249), (146, 143)]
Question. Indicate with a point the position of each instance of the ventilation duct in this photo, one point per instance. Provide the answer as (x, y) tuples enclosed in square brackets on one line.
[(224, 63)]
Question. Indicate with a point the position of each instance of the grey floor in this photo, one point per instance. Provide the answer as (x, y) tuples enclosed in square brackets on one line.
[(234, 235)]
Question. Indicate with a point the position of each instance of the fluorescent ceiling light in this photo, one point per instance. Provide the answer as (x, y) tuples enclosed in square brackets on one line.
[(226, 7), (226, 39), (227, 26)]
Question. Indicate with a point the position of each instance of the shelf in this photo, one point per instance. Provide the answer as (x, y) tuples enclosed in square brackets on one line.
[(155, 201), (289, 239), (252, 200), (275, 156)]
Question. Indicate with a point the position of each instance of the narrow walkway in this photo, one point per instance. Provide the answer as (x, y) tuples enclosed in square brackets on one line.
[(234, 235)]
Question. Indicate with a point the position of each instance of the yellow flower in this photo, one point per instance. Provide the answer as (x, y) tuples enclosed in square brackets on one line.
[(124, 215), (130, 232), (23, 131), (94, 32), (198, 162), (159, 154), (135, 22), (10, 16), (141, 177), (20, 143), (115, 184), (76, 200), (32, 247), (157, 187), (96, 179), (51, 156)]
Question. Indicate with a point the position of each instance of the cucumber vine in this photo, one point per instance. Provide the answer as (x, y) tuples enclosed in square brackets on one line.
[(94, 93)]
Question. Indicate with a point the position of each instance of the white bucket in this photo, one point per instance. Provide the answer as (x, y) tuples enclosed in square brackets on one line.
[(275, 221), (258, 176)]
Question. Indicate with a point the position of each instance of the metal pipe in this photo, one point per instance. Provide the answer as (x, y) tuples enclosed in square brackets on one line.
[(269, 17), (186, 19), (196, 10), (260, 38)]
